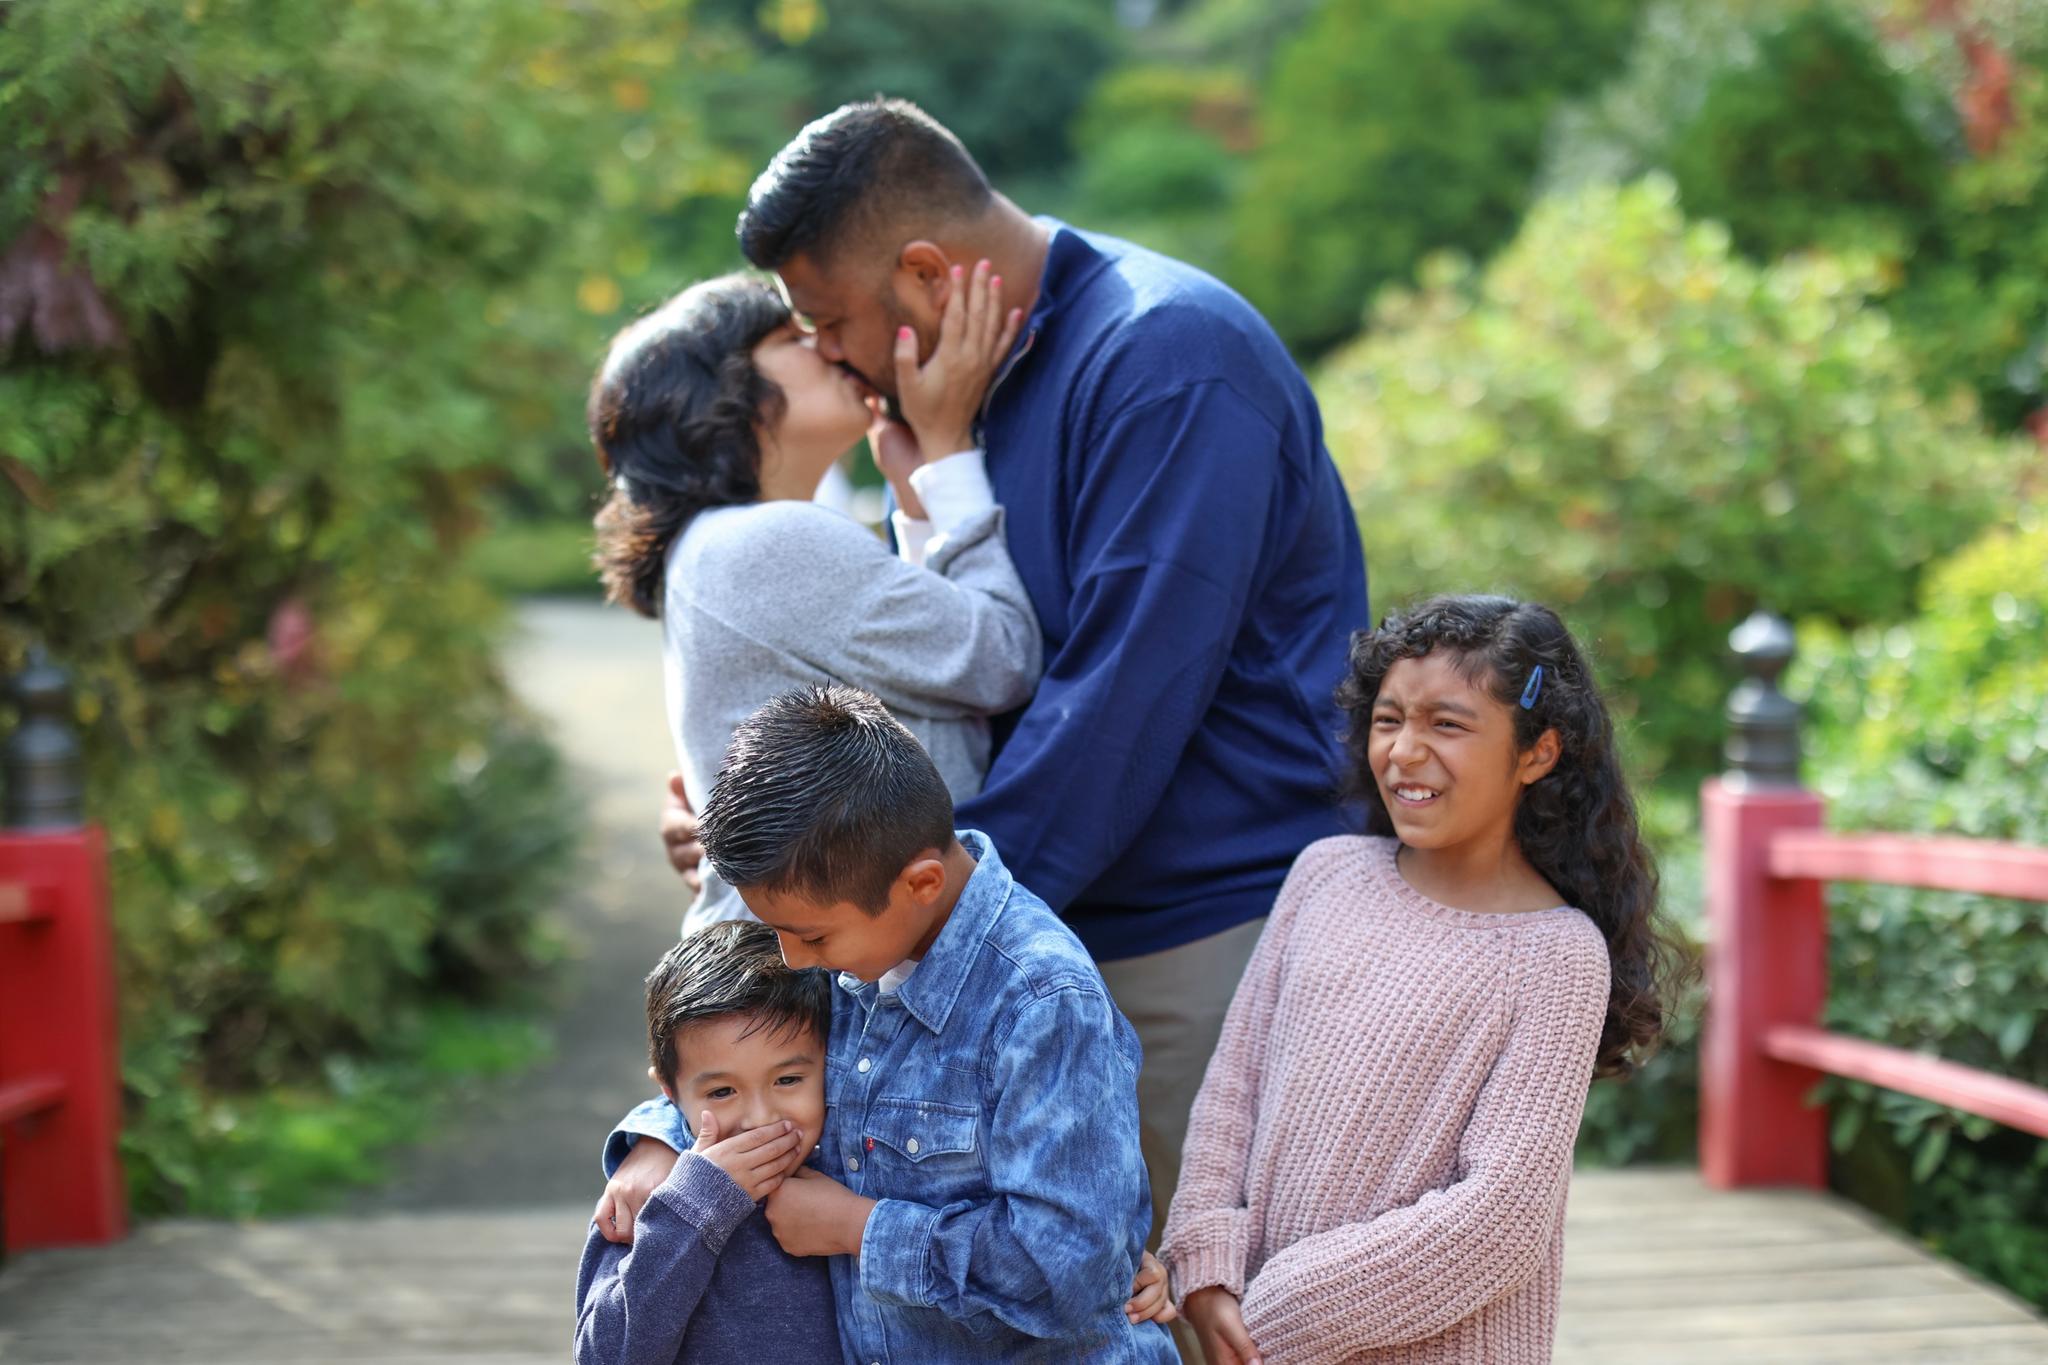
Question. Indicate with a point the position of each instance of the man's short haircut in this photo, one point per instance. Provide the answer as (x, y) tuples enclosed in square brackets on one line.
[(824, 794), (852, 171), (729, 969)]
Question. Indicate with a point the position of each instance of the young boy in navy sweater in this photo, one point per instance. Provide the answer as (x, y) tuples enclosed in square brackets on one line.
[(979, 1189), (738, 1039)]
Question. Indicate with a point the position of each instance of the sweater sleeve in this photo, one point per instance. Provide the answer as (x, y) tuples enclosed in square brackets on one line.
[(955, 637), (1207, 1236), (1414, 1272), (635, 1303)]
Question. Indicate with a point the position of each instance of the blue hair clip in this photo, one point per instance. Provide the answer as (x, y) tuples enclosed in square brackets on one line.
[(1534, 689)]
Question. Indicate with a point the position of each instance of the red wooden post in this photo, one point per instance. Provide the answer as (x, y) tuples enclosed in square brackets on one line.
[(1766, 939), (59, 1066), (1767, 945), (60, 1174)]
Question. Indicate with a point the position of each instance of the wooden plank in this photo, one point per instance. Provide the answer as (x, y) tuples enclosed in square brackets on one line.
[(1980, 865), (2012, 1103)]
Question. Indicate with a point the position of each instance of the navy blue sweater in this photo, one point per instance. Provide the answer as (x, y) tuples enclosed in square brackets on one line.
[(703, 1283), (1195, 566)]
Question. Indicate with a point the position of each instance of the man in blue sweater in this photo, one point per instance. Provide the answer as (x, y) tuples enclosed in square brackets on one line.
[(1185, 539)]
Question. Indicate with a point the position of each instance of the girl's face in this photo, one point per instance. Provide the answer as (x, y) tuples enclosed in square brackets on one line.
[(1443, 755), (825, 407)]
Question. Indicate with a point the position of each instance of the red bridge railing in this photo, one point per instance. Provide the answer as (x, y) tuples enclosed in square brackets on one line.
[(1763, 1048), (60, 1174)]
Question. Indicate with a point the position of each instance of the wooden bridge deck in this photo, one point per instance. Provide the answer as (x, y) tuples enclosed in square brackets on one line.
[(1658, 1272)]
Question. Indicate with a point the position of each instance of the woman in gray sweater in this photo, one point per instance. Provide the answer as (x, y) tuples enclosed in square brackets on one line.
[(715, 419)]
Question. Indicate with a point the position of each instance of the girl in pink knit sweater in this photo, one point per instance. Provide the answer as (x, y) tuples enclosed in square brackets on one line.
[(1377, 1162)]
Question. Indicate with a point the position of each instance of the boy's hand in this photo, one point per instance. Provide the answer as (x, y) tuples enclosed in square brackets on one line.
[(814, 1215), (1149, 1300), (631, 1186), (757, 1159), (1218, 1321)]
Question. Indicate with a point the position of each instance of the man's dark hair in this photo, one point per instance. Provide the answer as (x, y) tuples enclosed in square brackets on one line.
[(729, 969), (824, 794), (845, 173)]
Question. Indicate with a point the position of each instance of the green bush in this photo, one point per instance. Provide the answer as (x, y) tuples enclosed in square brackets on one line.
[(1392, 128), (285, 288), (1803, 123), (1622, 418), (1940, 726), (1160, 150)]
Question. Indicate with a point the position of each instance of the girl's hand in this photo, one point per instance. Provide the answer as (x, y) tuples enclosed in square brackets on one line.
[(940, 397), (757, 1159), (1149, 1299), (1219, 1325)]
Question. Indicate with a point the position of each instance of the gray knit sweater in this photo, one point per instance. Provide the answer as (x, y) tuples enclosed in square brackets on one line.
[(773, 595)]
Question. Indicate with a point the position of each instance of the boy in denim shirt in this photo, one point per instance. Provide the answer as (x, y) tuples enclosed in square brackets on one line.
[(980, 1189)]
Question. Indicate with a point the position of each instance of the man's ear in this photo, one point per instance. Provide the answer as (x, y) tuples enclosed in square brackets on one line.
[(1541, 757), (924, 266)]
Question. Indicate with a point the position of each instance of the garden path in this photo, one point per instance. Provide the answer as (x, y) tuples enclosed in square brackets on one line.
[(469, 1256)]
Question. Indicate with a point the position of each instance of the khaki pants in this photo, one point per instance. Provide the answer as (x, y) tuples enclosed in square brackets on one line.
[(1176, 1000)]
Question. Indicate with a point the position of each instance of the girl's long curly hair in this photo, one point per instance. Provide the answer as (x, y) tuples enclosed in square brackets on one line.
[(1577, 825), (673, 414)]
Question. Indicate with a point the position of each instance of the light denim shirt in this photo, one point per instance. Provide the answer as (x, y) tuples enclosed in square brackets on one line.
[(990, 1106)]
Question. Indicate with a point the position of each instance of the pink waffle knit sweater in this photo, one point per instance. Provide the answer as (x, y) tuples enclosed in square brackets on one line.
[(1378, 1158)]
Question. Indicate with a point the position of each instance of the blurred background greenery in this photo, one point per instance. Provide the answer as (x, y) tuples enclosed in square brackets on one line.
[(1656, 311)]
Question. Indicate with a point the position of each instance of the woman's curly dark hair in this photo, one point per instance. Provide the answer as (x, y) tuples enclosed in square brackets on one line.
[(1577, 825), (673, 414)]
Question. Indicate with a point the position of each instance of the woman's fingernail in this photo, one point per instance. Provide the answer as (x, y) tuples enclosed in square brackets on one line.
[(903, 334), (995, 281)]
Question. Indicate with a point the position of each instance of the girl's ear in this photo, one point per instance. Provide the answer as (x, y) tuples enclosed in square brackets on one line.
[(1539, 758)]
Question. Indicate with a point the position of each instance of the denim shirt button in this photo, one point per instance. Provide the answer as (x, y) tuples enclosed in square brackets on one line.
[(864, 1065), (853, 1163), (911, 1146)]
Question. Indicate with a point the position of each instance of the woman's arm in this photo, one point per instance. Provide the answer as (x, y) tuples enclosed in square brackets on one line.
[(1414, 1272), (957, 637)]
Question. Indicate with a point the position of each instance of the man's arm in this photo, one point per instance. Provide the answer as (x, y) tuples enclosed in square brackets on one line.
[(1169, 534), (633, 1304), (1049, 1251)]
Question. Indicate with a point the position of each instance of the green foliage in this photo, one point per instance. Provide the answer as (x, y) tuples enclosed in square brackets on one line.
[(1653, 1115), (292, 1147), (285, 288), (530, 557), (1940, 725), (1622, 418), (1007, 78), (1790, 126), (1841, 124), (1391, 128), (1161, 150)]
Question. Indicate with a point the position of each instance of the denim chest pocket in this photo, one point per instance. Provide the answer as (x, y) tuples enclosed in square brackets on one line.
[(934, 1148)]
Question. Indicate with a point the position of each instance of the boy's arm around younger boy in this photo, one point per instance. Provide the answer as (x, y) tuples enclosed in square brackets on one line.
[(634, 1303), (1050, 1251)]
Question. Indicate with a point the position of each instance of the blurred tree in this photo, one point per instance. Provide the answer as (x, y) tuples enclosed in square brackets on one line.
[(1624, 419), (1160, 150), (1007, 78), (1914, 130), (1390, 128), (284, 287)]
